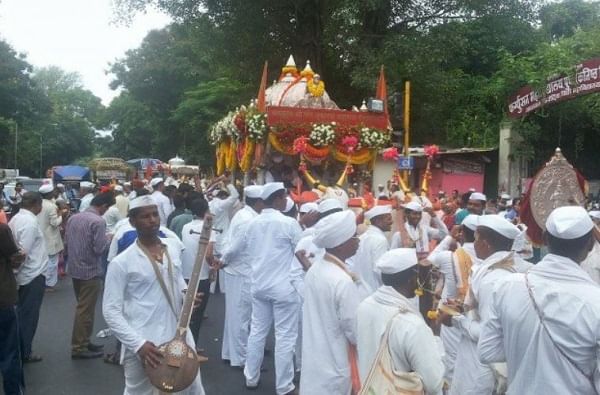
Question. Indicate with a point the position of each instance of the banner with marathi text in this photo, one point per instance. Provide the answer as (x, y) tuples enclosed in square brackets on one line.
[(586, 80)]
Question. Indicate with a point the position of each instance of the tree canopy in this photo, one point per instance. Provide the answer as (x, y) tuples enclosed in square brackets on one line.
[(464, 59)]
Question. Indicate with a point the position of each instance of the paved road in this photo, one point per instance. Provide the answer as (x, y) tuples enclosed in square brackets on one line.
[(57, 374)]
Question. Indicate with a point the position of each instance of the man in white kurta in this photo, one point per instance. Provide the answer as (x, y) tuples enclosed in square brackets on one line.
[(190, 236), (311, 252), (411, 342), (373, 244), (162, 201), (86, 194), (564, 361), (449, 263), (222, 207), (50, 221), (270, 240), (135, 307), (329, 311), (493, 242), (237, 272), (417, 234)]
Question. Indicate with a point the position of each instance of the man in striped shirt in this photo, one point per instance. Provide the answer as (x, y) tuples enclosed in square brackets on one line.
[(87, 241)]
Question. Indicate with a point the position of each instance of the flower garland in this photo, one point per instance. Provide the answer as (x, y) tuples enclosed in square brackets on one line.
[(322, 134), (257, 126), (374, 138), (316, 90)]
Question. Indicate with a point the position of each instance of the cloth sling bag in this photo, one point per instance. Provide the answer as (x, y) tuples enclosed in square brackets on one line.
[(560, 350), (170, 297), (383, 379), (462, 270)]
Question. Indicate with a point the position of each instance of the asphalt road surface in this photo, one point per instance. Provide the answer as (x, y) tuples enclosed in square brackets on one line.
[(58, 374)]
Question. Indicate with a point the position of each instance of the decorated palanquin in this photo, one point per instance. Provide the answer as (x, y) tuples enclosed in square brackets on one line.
[(296, 118)]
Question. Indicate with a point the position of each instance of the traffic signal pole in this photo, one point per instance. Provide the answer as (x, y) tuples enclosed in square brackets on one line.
[(406, 128)]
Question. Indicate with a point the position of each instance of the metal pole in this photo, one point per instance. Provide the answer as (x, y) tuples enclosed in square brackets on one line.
[(406, 127), (16, 142), (41, 154)]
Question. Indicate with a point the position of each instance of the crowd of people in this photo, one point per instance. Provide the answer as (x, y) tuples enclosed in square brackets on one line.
[(344, 288)]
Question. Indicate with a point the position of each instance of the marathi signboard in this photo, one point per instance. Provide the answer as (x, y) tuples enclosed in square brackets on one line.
[(461, 166), (586, 80)]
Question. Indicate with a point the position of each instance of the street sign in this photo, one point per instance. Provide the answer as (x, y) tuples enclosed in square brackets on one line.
[(406, 163)]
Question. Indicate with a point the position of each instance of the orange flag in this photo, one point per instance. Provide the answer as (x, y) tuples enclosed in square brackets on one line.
[(382, 90), (261, 103)]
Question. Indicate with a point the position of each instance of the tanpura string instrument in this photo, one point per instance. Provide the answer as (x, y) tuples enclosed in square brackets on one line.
[(179, 364)]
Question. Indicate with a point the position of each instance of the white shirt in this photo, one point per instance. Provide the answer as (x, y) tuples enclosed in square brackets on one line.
[(235, 255), (373, 244), (468, 371), (134, 305), (85, 202), (190, 235), (112, 216), (124, 226), (307, 245), (421, 235), (271, 238), (50, 222), (164, 206), (222, 209), (411, 342), (591, 264), (512, 332), (328, 326), (28, 235)]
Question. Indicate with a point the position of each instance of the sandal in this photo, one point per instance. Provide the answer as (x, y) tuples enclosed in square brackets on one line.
[(32, 359), (112, 359)]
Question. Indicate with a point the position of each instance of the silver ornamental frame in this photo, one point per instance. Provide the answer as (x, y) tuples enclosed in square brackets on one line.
[(555, 186)]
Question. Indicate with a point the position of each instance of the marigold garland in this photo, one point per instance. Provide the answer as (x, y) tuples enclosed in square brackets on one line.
[(231, 157), (275, 143), (360, 157), (246, 159), (316, 90), (222, 156)]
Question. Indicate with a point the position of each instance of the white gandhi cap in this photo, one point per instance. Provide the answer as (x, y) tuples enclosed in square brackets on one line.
[(329, 204), (253, 191), (335, 229), (478, 196), (595, 214), (308, 207), (155, 181), (397, 260), (471, 221), (569, 222), (142, 201), (378, 210), (413, 206), (270, 188), (499, 225)]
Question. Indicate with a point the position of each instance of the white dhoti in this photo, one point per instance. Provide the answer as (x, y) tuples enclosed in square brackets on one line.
[(450, 336), (233, 320), (137, 383), (52, 271), (471, 377), (284, 310)]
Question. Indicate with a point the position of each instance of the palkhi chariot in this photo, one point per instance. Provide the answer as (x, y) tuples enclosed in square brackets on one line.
[(295, 118)]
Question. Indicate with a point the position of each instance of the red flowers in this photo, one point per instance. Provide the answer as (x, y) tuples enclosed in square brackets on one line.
[(300, 145), (350, 143), (390, 154), (431, 151)]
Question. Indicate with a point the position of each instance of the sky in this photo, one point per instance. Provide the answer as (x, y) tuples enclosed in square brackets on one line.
[(76, 35)]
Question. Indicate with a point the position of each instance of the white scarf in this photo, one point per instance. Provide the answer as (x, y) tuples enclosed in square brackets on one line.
[(388, 296), (419, 237)]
